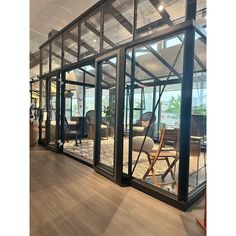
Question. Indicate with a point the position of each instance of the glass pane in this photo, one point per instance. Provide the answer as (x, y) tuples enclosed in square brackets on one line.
[(152, 16), (200, 54), (89, 74), (107, 113), (126, 123), (45, 59), (201, 14), (90, 36), (35, 96), (79, 100), (73, 101), (89, 99), (56, 50), (75, 75), (162, 65), (161, 54), (119, 16), (198, 139), (70, 45), (52, 111), (43, 117), (170, 106)]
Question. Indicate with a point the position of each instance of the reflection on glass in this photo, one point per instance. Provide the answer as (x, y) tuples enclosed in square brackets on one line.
[(45, 59), (75, 75), (56, 52), (198, 138), (70, 45), (118, 15), (43, 116), (35, 94), (90, 36), (90, 99), (107, 113), (52, 111), (79, 103), (201, 13), (152, 17), (151, 74)]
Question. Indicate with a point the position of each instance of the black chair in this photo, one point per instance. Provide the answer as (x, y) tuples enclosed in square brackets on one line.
[(69, 132)]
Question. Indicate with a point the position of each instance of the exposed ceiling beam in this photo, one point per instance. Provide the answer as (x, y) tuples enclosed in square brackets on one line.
[(151, 26), (160, 58), (34, 59), (156, 3), (120, 18), (166, 16), (95, 31)]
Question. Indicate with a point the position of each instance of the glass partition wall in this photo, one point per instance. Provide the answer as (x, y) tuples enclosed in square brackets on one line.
[(154, 102), (132, 102), (79, 113)]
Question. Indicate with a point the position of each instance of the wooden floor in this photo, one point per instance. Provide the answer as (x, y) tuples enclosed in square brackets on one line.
[(68, 198)]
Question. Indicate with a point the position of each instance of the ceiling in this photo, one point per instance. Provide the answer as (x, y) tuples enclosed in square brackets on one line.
[(46, 15)]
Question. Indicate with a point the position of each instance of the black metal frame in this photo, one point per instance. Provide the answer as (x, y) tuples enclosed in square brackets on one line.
[(115, 174), (64, 81), (58, 98), (189, 27)]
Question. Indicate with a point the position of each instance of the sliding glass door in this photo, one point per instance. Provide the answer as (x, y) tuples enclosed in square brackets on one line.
[(53, 97), (108, 131)]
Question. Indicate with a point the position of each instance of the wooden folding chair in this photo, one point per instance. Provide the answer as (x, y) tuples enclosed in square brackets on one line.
[(163, 153)]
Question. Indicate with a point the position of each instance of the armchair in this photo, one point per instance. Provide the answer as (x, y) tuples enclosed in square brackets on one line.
[(90, 119)]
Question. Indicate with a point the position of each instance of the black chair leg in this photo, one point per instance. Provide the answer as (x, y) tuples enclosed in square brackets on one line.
[(76, 142)]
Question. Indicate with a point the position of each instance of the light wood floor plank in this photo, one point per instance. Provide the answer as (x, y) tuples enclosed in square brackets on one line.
[(68, 198)]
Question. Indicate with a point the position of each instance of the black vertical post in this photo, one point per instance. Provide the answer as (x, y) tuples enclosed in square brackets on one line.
[(101, 27), (131, 97), (135, 20), (40, 108), (186, 104), (41, 63), (62, 50), (120, 94), (50, 56), (84, 102), (40, 97), (159, 114), (70, 108), (79, 39), (62, 109), (58, 132), (153, 106), (98, 102), (48, 89)]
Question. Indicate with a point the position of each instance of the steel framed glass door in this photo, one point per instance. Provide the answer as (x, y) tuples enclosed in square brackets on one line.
[(108, 128), (52, 123)]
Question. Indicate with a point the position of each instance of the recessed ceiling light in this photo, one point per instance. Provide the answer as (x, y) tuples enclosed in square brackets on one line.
[(160, 8), (94, 40)]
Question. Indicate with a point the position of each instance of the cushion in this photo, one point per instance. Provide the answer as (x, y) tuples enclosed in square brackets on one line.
[(138, 128), (103, 127), (137, 143)]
